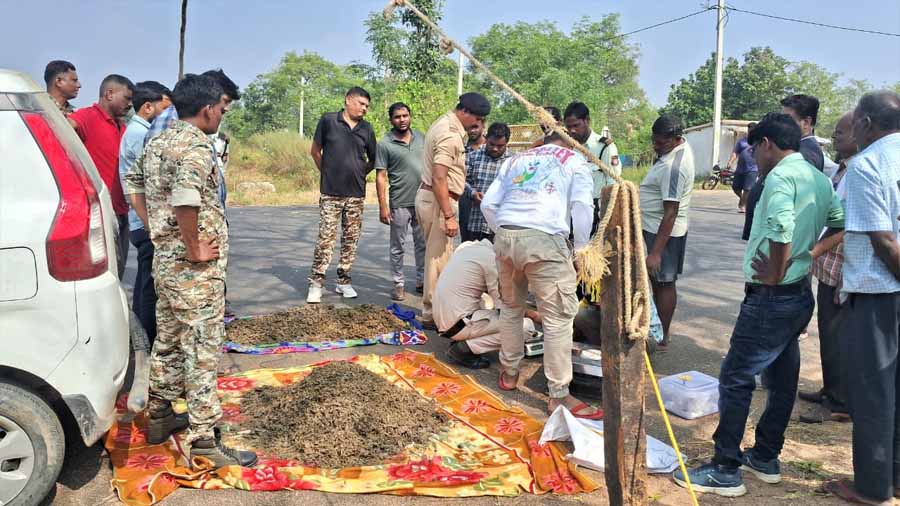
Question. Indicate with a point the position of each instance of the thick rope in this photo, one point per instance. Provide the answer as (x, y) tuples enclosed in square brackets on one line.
[(593, 258)]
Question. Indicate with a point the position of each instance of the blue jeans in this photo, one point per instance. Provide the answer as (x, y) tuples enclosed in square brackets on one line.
[(764, 340)]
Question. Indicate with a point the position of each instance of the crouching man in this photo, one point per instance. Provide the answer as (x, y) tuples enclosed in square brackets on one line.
[(529, 207), (459, 312)]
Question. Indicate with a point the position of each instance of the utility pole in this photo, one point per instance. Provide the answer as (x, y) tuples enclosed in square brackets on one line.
[(717, 96), (303, 81), (459, 77)]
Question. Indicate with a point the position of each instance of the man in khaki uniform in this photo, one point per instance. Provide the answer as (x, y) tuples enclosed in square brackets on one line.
[(443, 181)]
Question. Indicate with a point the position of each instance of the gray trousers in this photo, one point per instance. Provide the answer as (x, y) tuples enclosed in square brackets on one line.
[(401, 219), (831, 318), (870, 355), (122, 243)]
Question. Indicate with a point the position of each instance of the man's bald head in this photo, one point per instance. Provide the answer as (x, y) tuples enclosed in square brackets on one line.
[(876, 115)]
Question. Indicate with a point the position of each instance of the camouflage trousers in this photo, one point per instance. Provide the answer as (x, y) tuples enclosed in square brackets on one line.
[(348, 211), (185, 357)]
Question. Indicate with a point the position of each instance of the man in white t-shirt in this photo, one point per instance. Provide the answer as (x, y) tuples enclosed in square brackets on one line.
[(530, 206), (577, 120), (665, 202)]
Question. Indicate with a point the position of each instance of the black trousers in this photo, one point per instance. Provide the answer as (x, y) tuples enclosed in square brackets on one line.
[(144, 299), (831, 318), (870, 356)]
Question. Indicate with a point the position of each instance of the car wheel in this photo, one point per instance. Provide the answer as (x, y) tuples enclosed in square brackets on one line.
[(32, 446)]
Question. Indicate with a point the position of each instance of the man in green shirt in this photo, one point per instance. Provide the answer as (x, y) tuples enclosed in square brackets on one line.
[(398, 162), (796, 204)]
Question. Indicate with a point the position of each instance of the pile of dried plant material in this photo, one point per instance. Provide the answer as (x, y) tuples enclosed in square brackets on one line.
[(314, 323), (341, 415)]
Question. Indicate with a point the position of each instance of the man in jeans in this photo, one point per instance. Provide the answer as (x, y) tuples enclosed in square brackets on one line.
[(797, 203), (398, 160), (872, 288), (528, 206), (344, 151), (828, 260), (150, 99)]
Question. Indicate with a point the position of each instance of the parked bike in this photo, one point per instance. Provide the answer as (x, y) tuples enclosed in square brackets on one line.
[(724, 176)]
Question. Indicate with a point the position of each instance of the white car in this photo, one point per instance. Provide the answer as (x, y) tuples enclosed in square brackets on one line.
[(64, 341)]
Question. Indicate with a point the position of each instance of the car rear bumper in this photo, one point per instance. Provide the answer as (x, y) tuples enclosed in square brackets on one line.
[(91, 376)]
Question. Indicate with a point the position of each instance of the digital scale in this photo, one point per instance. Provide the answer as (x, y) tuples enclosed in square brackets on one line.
[(534, 344)]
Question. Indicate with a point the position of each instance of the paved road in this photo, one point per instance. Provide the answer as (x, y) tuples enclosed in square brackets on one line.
[(270, 257)]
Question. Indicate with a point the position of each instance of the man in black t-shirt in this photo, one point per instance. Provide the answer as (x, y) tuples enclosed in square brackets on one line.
[(344, 151)]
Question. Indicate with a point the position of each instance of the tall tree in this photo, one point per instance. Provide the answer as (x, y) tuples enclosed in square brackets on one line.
[(272, 100), (405, 47), (592, 63)]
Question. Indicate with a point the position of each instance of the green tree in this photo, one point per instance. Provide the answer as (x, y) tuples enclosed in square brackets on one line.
[(272, 101), (591, 63), (403, 46)]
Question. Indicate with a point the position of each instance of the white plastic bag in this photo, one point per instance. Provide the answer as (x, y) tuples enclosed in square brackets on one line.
[(587, 437)]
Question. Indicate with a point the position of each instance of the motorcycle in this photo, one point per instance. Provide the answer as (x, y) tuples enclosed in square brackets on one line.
[(719, 175)]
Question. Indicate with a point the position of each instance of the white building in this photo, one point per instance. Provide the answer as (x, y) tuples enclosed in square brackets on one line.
[(700, 138)]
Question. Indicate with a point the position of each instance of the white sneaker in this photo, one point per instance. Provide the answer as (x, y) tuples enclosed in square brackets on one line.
[(315, 294), (346, 290)]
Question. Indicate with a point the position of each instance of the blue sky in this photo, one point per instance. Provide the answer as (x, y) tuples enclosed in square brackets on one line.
[(140, 38)]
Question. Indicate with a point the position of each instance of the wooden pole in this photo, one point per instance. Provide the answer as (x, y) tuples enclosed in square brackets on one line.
[(181, 39), (623, 372)]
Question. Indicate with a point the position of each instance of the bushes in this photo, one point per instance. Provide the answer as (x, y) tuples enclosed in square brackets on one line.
[(277, 154)]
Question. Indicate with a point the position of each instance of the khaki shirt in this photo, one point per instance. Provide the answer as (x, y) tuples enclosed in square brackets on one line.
[(471, 272), (445, 145)]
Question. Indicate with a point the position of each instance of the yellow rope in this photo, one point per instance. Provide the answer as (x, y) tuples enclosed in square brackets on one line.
[(662, 409)]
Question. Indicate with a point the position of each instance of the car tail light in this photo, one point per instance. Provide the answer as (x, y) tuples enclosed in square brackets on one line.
[(76, 245)]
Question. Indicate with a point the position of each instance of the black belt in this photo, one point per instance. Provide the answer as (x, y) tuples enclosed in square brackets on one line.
[(778, 290), (456, 328)]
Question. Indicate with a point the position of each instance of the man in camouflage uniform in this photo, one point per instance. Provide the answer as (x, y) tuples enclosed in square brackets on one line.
[(179, 180)]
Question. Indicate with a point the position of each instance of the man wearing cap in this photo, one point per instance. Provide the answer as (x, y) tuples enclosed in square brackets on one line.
[(443, 181)]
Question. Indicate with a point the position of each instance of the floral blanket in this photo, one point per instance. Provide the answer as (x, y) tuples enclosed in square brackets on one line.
[(491, 449), (411, 335)]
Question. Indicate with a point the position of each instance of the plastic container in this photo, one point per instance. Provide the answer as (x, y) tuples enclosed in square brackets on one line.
[(690, 395)]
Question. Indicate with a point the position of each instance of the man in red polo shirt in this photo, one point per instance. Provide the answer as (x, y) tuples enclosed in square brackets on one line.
[(100, 127)]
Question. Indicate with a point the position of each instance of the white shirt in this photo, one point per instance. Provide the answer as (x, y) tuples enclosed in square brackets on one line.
[(872, 205), (608, 154), (470, 273), (670, 179), (545, 188)]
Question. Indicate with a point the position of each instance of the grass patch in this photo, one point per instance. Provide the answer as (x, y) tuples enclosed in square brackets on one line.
[(279, 158), (808, 470)]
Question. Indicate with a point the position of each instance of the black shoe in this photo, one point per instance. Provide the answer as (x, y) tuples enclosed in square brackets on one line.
[(221, 455), (165, 423), (460, 353), (429, 324), (816, 396)]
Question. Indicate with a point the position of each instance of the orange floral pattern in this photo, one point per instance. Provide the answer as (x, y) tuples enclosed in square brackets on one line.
[(489, 448)]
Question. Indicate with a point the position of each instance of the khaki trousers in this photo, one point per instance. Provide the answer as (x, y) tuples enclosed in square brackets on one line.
[(438, 247), (535, 260)]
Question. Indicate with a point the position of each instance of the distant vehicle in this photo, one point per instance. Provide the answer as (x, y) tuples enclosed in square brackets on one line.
[(718, 175), (64, 340)]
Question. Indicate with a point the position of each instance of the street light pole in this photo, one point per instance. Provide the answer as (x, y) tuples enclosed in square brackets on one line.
[(717, 96)]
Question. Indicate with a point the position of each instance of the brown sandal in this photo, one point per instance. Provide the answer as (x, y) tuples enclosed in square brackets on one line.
[(845, 490), (508, 386)]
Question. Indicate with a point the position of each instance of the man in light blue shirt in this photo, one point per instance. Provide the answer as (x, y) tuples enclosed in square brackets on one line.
[(149, 100), (871, 276)]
